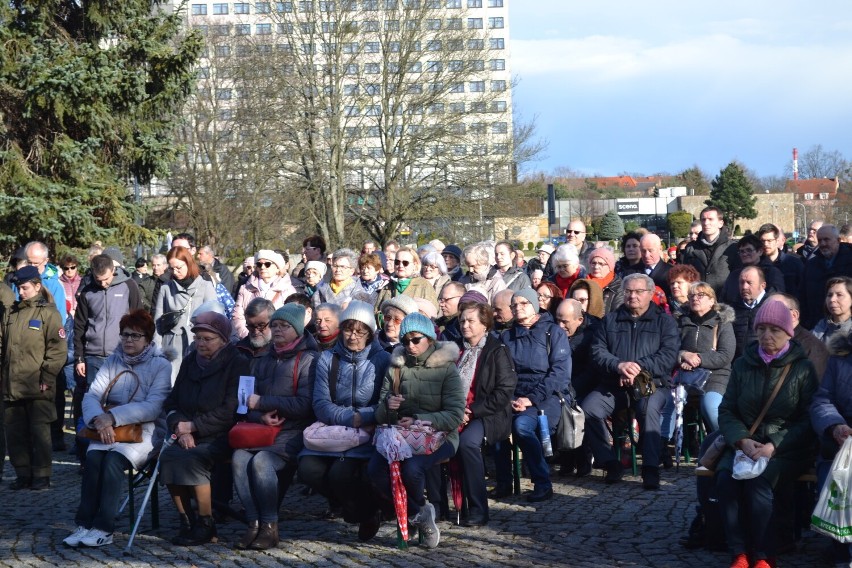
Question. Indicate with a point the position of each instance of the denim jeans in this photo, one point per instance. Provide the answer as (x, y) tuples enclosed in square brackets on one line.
[(525, 433), (710, 409), (103, 486), (473, 478), (256, 481)]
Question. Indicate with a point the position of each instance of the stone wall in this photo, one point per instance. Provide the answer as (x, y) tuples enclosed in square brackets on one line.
[(775, 208)]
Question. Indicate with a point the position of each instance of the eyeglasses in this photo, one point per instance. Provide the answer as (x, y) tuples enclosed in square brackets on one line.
[(699, 296), (204, 339), (544, 297), (355, 331), (516, 305), (179, 267), (396, 321), (278, 324), (264, 264), (415, 340), (402, 262), (67, 268), (445, 300), (628, 292), (260, 328), (571, 231), (747, 251), (340, 266), (562, 266), (128, 336)]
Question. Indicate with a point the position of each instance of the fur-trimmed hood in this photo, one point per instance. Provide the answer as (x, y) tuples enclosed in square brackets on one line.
[(445, 352), (725, 313), (839, 345)]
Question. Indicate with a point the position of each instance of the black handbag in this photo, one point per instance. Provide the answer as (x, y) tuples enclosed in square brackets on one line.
[(167, 322), (572, 425)]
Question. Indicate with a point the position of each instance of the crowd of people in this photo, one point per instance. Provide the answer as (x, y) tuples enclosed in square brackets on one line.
[(473, 342)]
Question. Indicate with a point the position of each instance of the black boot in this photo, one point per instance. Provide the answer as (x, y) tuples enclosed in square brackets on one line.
[(202, 532), (267, 537), (250, 535), (185, 528)]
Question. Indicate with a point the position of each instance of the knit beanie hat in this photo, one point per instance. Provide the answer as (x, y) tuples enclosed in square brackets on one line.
[(359, 311), (453, 250), (775, 313), (474, 296), (528, 294), (606, 255), (320, 267), (272, 257), (419, 323), (403, 303), (217, 323), (292, 313), (426, 308)]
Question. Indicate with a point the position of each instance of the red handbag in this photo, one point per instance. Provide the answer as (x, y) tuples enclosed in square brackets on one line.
[(252, 435), (245, 435)]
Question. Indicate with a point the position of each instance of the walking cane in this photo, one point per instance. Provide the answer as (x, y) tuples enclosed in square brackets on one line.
[(166, 443)]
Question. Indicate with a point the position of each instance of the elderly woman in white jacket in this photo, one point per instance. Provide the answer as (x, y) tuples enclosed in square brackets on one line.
[(136, 397), (270, 281)]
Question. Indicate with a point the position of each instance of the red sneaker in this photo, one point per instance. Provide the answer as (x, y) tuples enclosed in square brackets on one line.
[(740, 561)]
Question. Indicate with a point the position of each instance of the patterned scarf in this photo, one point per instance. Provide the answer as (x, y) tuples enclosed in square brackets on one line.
[(467, 362), (133, 360)]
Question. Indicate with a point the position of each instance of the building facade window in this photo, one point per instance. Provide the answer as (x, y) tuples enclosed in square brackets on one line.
[(477, 86), (263, 29), (242, 29), (474, 3), (495, 23), (241, 8), (199, 9), (498, 86), (498, 64), (475, 44), (497, 43), (283, 7), (219, 9), (495, 3), (474, 23), (262, 8)]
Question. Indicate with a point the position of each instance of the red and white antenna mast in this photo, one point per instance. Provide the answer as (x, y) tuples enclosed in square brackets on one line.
[(795, 163)]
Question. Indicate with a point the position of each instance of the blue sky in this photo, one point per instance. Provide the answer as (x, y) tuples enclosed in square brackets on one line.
[(657, 86)]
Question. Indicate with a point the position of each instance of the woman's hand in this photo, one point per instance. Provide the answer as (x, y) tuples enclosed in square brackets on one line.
[(107, 435), (253, 400), (186, 441), (840, 433), (756, 450), (520, 404), (395, 401), (405, 421), (271, 418), (468, 415), (689, 360)]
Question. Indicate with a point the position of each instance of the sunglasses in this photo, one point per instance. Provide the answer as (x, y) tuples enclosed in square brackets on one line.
[(264, 265), (67, 268), (415, 340), (402, 262), (573, 232)]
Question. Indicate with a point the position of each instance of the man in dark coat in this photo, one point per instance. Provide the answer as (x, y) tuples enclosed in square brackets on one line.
[(712, 254), (636, 338), (790, 265), (749, 248), (206, 255), (752, 296), (832, 259)]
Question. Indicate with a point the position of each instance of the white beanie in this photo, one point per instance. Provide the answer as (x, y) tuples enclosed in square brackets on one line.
[(272, 256), (360, 311), (320, 267)]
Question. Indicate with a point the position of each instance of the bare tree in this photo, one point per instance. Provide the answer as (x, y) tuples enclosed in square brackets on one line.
[(820, 163)]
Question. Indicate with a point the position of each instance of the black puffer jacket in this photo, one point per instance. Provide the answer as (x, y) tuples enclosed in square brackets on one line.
[(494, 387), (696, 336)]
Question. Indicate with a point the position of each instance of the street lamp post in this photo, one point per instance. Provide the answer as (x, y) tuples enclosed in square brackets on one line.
[(804, 218)]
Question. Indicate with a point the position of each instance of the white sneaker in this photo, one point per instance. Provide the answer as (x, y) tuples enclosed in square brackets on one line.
[(73, 539), (428, 528), (96, 537)]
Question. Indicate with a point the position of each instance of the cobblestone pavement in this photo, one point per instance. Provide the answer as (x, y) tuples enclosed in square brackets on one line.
[(586, 524)]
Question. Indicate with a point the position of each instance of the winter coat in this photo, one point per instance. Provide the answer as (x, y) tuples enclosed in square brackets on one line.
[(145, 406), (357, 386), (276, 376), (418, 287), (71, 286), (832, 404), (99, 311), (207, 397), (494, 383), (651, 340), (713, 262), (33, 349), (515, 279), (372, 289), (449, 328), (826, 329), (431, 387), (352, 291), (773, 277), (492, 284), (226, 277), (146, 286), (697, 336), (440, 282), (583, 379), (744, 323), (278, 291), (816, 274), (613, 295), (542, 357), (815, 349), (174, 297), (787, 423), (792, 268)]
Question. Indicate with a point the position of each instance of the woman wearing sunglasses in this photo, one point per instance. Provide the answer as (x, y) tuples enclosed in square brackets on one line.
[(421, 384), (270, 281), (406, 279), (142, 376)]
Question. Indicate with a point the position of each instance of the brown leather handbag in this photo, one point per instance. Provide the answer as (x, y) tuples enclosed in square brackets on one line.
[(129, 433)]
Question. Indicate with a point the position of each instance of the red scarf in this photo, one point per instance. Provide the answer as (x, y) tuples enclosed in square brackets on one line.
[(564, 284), (602, 282)]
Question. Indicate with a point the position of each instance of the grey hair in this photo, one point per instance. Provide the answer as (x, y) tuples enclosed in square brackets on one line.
[(329, 307), (348, 254), (258, 306), (432, 258), (478, 251), (646, 280), (37, 245), (566, 253), (160, 257), (209, 249)]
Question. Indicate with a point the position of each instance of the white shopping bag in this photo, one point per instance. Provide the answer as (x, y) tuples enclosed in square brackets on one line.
[(833, 513)]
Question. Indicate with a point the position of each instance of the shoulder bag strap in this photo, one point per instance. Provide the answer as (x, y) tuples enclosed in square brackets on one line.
[(396, 380), (766, 406), (333, 376), (715, 337), (296, 372), (105, 396)]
